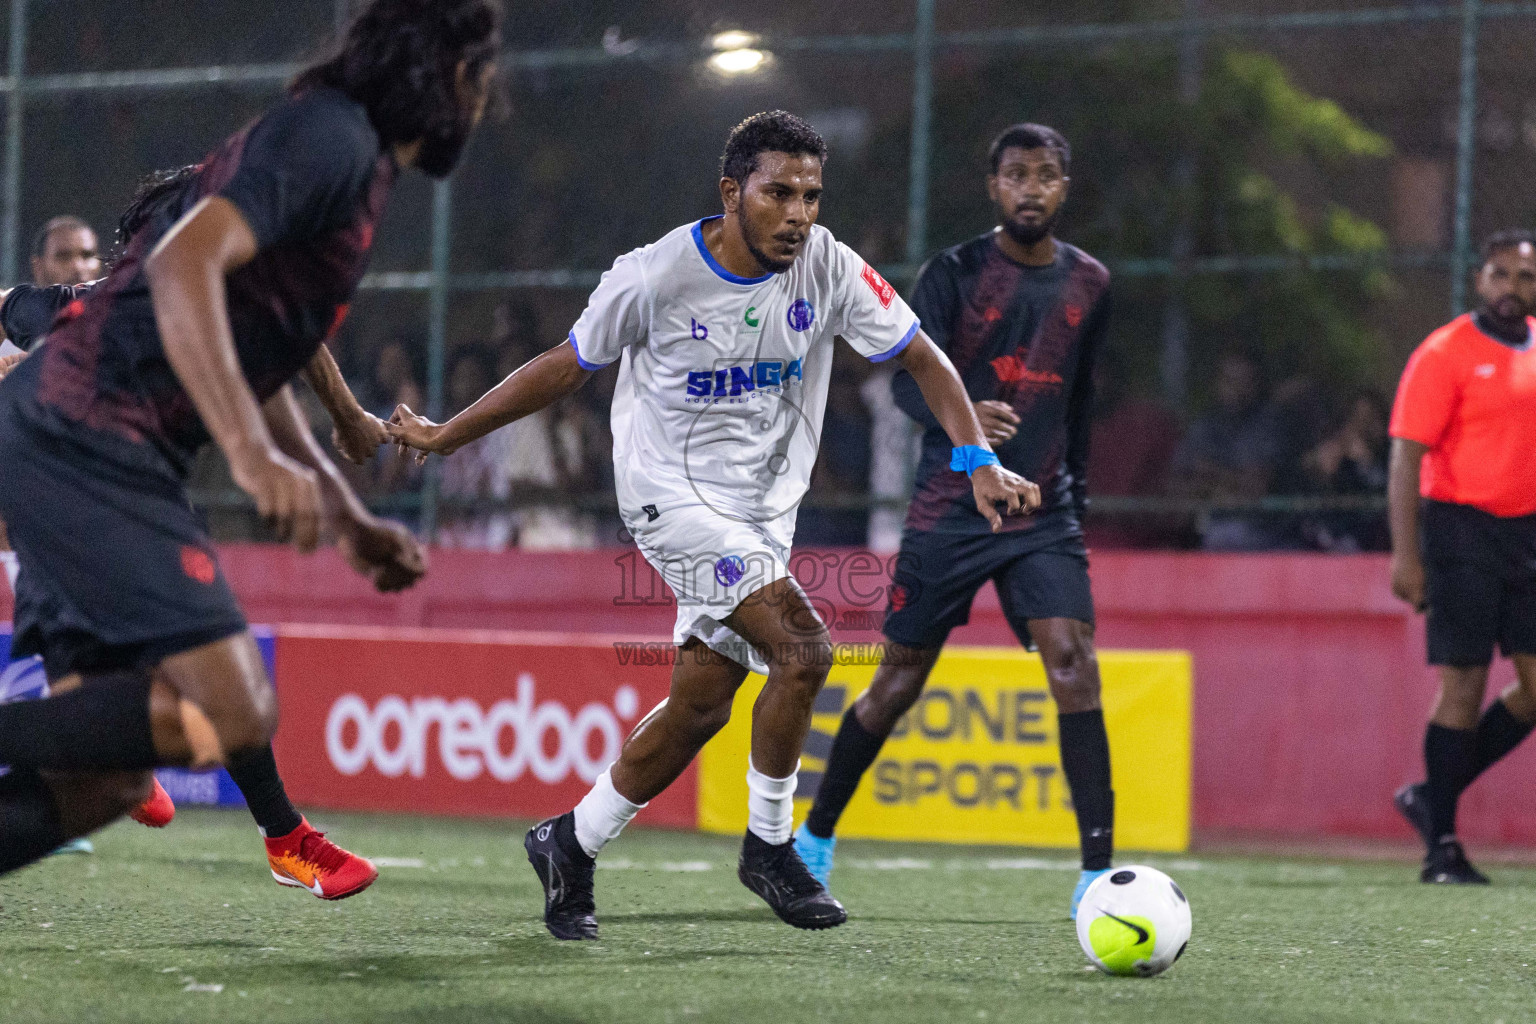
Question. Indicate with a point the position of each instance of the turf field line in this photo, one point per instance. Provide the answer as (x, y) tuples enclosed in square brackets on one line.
[(398, 862), (674, 866), (888, 864)]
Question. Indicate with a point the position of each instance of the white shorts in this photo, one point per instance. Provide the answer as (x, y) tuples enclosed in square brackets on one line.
[(712, 563)]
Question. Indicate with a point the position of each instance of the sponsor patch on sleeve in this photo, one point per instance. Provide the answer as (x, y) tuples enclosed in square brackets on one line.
[(879, 285)]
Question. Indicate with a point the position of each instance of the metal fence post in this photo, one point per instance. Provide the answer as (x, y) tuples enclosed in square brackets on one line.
[(1173, 365), (922, 131), (1466, 145), (10, 218), (437, 343)]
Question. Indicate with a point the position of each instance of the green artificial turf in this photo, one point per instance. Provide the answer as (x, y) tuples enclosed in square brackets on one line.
[(186, 925)]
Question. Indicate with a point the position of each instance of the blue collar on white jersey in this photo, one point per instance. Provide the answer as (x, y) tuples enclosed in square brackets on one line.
[(714, 264)]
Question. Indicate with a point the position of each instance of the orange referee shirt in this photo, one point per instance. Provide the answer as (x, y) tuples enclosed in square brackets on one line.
[(1472, 400)]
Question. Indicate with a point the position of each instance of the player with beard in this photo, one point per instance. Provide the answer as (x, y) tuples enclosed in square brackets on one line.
[(222, 297), (1021, 314), (27, 313), (724, 331), (1462, 501)]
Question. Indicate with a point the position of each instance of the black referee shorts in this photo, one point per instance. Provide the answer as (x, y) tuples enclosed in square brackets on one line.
[(116, 569), (1480, 574), (1040, 573)]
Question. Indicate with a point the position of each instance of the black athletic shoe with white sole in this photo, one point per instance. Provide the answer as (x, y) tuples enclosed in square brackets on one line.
[(780, 877), (1410, 803), (565, 871), (1447, 864)]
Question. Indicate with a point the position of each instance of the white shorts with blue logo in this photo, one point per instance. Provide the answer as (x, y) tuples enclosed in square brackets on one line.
[(712, 561)]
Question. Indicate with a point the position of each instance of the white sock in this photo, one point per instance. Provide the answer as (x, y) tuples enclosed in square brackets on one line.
[(770, 805), (602, 815), (12, 567)]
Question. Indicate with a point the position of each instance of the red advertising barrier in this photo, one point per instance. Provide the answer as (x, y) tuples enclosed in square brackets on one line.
[(460, 722), (1310, 686)]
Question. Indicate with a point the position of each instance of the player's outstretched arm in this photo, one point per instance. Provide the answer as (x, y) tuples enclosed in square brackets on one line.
[(358, 432), (541, 381), (945, 394), (385, 552), (186, 274)]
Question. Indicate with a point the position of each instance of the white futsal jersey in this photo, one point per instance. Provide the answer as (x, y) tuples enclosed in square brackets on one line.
[(717, 413), (723, 379)]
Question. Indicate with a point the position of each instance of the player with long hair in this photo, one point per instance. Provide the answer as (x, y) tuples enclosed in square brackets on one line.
[(224, 294)]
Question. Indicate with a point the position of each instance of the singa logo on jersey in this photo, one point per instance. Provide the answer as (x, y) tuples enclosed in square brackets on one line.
[(735, 381)]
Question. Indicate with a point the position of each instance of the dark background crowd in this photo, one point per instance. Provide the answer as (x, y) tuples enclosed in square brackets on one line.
[(1280, 210), (1259, 464)]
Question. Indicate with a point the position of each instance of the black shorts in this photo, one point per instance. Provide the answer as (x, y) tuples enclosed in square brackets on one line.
[(117, 570), (1480, 578), (1040, 573)]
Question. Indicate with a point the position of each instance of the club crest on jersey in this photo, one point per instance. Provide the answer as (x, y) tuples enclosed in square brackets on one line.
[(198, 565), (879, 285), (1074, 314), (769, 375), (730, 570), (801, 315)]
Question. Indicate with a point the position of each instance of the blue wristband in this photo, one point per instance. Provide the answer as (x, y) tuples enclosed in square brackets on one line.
[(970, 458)]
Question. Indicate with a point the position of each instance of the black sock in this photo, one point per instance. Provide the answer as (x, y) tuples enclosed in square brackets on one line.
[(1498, 732), (1085, 760), (853, 750), (255, 772), (1448, 764), (103, 724), (29, 820)]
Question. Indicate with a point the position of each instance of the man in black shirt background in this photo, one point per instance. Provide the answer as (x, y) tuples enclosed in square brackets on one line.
[(1021, 315)]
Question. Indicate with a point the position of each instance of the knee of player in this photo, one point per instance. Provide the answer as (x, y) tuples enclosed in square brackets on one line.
[(702, 721), (247, 726), (712, 720), (805, 663), (1073, 675), (892, 695)]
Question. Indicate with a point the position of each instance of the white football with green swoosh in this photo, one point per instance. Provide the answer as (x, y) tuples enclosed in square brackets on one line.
[(1133, 921)]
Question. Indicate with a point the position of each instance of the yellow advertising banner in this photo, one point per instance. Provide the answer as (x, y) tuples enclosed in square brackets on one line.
[(976, 760)]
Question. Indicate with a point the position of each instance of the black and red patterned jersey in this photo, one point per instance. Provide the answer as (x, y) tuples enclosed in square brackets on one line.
[(1017, 334), (311, 179)]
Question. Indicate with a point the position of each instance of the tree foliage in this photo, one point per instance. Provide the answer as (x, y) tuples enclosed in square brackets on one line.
[(1248, 169)]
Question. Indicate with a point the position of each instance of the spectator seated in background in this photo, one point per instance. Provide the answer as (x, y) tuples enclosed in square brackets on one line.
[(516, 486), (394, 382), (1231, 454), (835, 513), (1350, 460), (1132, 445), (477, 478)]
